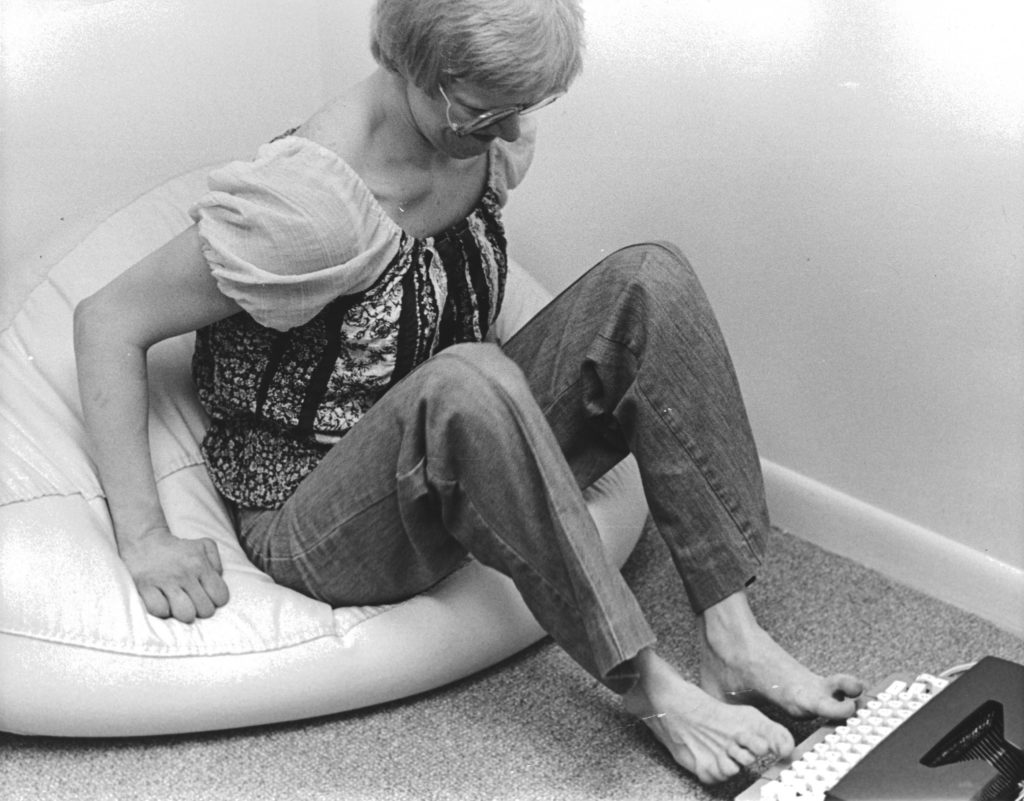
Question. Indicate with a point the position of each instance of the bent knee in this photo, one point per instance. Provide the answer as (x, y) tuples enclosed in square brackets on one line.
[(479, 371), (657, 250), (658, 268)]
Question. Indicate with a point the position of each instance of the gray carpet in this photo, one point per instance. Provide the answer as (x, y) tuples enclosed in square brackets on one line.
[(534, 727)]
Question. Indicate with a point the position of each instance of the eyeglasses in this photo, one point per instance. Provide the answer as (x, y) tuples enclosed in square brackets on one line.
[(492, 117)]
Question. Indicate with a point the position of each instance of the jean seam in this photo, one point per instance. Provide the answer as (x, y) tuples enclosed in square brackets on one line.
[(698, 461), (695, 455), (558, 398), (328, 533), (562, 598)]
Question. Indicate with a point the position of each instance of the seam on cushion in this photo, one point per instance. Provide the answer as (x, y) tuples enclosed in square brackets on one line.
[(8, 501), (367, 613), (302, 637), (169, 652), (188, 462)]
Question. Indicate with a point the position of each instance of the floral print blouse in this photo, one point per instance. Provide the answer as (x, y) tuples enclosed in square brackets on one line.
[(339, 303)]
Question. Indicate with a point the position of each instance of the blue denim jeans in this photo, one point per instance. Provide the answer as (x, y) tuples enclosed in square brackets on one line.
[(483, 451)]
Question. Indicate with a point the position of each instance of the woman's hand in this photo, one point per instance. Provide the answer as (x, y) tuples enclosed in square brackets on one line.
[(175, 577)]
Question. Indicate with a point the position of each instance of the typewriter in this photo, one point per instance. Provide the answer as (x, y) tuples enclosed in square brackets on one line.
[(954, 737)]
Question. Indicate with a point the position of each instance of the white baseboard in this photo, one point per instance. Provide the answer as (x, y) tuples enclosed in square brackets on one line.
[(901, 550)]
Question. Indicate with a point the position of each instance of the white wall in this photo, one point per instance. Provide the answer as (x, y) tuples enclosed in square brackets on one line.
[(100, 100), (846, 177)]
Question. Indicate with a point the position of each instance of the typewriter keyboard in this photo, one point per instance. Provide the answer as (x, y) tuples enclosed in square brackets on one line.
[(825, 757)]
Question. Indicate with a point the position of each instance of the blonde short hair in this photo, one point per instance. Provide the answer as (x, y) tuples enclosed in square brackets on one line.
[(533, 47)]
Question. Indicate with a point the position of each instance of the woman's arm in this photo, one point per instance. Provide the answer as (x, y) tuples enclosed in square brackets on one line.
[(170, 292)]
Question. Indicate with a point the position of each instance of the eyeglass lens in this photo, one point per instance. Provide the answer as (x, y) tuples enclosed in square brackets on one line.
[(489, 118)]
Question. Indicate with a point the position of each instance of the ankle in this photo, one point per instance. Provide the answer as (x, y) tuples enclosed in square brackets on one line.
[(729, 626), (732, 612), (640, 668)]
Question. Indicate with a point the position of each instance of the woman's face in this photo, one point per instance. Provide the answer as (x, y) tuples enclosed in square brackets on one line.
[(465, 101)]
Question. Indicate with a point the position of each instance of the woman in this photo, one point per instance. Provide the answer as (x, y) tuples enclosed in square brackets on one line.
[(342, 286)]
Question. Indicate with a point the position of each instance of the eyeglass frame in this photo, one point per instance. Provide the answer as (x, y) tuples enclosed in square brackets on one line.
[(492, 117)]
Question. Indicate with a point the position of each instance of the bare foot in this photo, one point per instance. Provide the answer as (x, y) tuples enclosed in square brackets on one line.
[(740, 662), (711, 739)]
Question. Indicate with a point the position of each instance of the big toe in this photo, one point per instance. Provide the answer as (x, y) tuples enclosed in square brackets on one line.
[(835, 710), (845, 686), (835, 700), (781, 742), (766, 737)]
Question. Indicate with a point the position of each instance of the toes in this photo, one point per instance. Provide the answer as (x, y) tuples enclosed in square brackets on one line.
[(716, 768), (727, 768), (830, 697), (839, 710), (755, 743), (780, 741), (845, 686), (837, 697), (740, 755)]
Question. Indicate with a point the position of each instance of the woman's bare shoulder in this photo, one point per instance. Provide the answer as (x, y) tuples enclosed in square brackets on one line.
[(342, 125)]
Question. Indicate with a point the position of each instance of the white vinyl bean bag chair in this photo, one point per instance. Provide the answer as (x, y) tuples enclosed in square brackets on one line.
[(79, 656)]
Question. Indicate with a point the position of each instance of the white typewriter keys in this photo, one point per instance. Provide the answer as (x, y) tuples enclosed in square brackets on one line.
[(820, 768), (935, 682)]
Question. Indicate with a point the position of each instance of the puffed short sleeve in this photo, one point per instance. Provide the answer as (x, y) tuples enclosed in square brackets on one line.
[(290, 231)]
